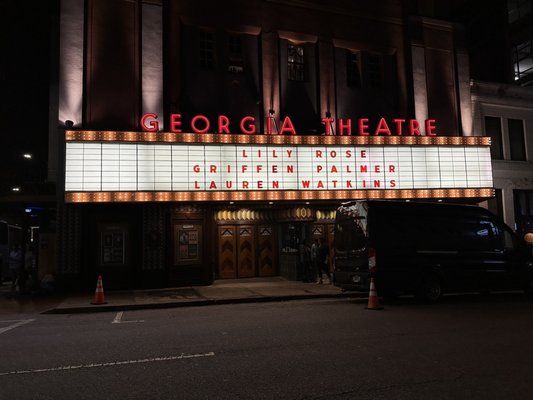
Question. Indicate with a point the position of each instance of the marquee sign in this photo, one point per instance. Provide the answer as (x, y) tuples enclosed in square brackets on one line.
[(345, 126), (137, 166)]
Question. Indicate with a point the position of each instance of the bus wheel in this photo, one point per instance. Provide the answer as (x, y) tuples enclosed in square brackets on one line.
[(430, 290)]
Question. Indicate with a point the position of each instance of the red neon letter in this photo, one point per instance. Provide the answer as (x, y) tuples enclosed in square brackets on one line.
[(287, 126), (398, 123), (250, 128), (269, 125), (175, 123), (195, 119), (327, 122), (414, 127), (430, 127), (363, 127), (153, 126), (382, 128), (341, 126), (223, 124)]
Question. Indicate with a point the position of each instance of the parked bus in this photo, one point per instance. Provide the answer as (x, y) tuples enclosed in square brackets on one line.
[(426, 249)]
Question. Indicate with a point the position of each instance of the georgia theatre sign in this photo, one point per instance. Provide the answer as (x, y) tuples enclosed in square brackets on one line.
[(153, 166), (345, 126)]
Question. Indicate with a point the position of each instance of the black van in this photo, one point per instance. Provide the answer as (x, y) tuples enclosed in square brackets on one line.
[(427, 249)]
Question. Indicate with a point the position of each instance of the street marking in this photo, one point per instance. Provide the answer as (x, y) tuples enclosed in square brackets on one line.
[(118, 319), (108, 364), (18, 322)]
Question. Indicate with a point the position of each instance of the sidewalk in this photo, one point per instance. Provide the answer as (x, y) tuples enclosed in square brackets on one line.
[(221, 292)]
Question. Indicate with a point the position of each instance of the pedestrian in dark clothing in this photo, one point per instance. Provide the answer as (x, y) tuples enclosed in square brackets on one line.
[(15, 265), (314, 255), (323, 261), (305, 261)]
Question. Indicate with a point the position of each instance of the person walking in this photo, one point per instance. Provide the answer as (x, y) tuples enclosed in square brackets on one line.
[(314, 255), (323, 261), (15, 264), (305, 260)]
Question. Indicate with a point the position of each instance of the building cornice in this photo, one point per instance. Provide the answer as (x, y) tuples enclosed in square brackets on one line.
[(501, 92)]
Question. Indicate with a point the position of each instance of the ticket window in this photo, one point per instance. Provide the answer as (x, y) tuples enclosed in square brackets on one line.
[(291, 237)]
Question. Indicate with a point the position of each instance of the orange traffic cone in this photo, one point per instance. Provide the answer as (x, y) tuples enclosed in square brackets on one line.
[(99, 293), (373, 301)]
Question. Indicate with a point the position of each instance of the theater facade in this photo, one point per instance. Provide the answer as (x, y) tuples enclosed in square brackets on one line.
[(195, 146)]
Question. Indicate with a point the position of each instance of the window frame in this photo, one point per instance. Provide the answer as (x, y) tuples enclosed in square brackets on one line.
[(495, 139), (353, 69), (235, 54), (517, 9), (296, 68), (521, 53), (517, 147), (374, 76), (206, 54)]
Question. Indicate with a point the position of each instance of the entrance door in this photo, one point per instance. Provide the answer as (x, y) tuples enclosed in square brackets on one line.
[(236, 251), (227, 254), (266, 251), (246, 251), (326, 232)]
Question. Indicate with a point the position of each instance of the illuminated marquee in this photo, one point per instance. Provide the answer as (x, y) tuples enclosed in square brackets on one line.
[(344, 126), (111, 166)]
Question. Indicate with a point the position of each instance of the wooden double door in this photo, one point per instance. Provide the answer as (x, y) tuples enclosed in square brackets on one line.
[(246, 251)]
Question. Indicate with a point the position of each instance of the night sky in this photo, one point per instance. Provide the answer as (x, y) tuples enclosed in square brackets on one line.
[(26, 32)]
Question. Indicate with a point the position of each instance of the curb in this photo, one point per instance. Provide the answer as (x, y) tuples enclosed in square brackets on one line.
[(194, 303)]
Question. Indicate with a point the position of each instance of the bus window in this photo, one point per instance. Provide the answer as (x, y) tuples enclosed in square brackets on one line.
[(349, 234)]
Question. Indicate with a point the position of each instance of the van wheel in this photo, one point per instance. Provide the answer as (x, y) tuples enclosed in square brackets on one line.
[(430, 290)]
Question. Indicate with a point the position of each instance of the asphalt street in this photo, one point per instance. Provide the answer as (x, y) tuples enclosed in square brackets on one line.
[(467, 347)]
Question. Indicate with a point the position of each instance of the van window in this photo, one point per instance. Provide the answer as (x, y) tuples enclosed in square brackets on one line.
[(477, 236), (508, 240), (349, 235)]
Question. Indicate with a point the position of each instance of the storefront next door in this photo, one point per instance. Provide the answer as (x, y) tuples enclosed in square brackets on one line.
[(245, 251)]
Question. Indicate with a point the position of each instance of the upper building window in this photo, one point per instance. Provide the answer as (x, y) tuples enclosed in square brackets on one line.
[(235, 57), (353, 71), (523, 59), (207, 49), (295, 63), (516, 9), (493, 128), (517, 145), (374, 66)]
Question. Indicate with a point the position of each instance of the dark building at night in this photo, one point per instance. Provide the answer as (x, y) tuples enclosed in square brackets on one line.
[(192, 141)]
